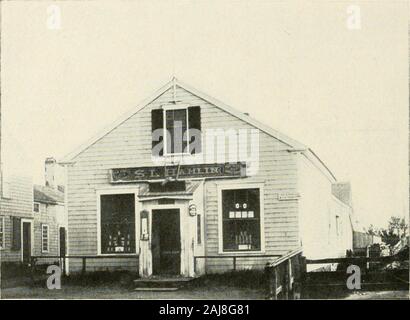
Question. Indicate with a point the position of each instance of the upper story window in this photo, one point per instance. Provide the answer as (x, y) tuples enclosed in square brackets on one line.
[(36, 207), (176, 129)]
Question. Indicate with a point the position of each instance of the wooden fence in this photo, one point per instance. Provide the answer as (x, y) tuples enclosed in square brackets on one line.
[(285, 275), (234, 258), (63, 259)]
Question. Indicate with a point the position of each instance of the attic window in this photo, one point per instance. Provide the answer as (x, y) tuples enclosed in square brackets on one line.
[(179, 130)]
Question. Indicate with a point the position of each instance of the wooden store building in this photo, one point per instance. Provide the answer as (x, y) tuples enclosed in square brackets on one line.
[(184, 178)]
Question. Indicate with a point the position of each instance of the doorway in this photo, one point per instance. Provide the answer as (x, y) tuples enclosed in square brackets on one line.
[(166, 242), (26, 242)]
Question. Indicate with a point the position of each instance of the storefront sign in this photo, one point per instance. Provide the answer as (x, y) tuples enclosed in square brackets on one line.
[(119, 175)]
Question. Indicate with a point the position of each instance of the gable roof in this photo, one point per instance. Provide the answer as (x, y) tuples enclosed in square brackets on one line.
[(293, 144), (47, 195), (285, 139)]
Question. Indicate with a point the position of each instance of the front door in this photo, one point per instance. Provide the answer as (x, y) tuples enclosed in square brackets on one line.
[(166, 242), (26, 242)]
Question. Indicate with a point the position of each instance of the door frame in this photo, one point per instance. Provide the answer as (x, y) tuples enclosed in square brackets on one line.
[(22, 237), (181, 208)]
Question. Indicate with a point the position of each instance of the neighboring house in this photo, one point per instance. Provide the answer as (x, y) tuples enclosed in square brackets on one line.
[(238, 188), (50, 223), (16, 219), (32, 218)]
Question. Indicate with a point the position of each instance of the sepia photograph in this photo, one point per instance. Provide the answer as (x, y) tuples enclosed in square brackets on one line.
[(204, 150)]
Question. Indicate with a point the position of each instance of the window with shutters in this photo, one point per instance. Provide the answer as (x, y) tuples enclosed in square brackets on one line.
[(176, 129), (44, 238)]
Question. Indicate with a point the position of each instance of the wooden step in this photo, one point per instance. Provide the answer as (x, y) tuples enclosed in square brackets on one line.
[(159, 283)]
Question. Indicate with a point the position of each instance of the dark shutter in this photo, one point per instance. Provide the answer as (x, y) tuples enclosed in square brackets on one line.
[(157, 121), (194, 122), (16, 244)]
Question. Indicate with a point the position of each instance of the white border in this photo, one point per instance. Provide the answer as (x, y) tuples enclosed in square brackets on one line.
[(42, 238), (234, 186), (182, 213), (117, 190), (168, 107)]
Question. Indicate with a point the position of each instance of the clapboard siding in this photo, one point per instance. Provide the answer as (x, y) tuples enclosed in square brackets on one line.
[(129, 145), (20, 204)]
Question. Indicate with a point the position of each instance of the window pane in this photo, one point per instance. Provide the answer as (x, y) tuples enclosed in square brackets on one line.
[(176, 126), (241, 219), (117, 223), (44, 238)]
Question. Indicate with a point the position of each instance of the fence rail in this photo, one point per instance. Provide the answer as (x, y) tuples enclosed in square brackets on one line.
[(63, 259), (233, 257)]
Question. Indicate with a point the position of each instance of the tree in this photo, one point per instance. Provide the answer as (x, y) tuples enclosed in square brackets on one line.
[(372, 230), (397, 229)]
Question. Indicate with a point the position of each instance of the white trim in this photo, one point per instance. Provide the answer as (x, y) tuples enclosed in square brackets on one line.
[(112, 191), (235, 186), (175, 106), (22, 221), (42, 238), (182, 214), (2, 233), (69, 158), (170, 107)]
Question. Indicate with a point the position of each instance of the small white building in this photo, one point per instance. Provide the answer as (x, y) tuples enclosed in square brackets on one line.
[(227, 186)]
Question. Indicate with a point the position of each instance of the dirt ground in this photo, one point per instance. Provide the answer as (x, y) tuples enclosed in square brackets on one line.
[(196, 293), (110, 292), (240, 286)]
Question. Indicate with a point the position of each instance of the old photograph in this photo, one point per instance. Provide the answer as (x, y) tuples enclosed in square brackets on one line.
[(204, 150)]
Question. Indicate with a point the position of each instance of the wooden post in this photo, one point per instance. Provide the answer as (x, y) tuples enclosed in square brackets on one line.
[(367, 256), (303, 268), (275, 283), (272, 285), (285, 286), (84, 265), (234, 263), (195, 265), (288, 279)]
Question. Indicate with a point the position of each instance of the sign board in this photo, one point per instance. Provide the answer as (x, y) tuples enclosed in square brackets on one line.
[(123, 175), (288, 196)]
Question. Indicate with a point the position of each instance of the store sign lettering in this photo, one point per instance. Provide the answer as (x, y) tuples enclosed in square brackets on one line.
[(121, 175)]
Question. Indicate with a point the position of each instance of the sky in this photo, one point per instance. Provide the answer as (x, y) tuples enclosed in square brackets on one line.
[(329, 75)]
